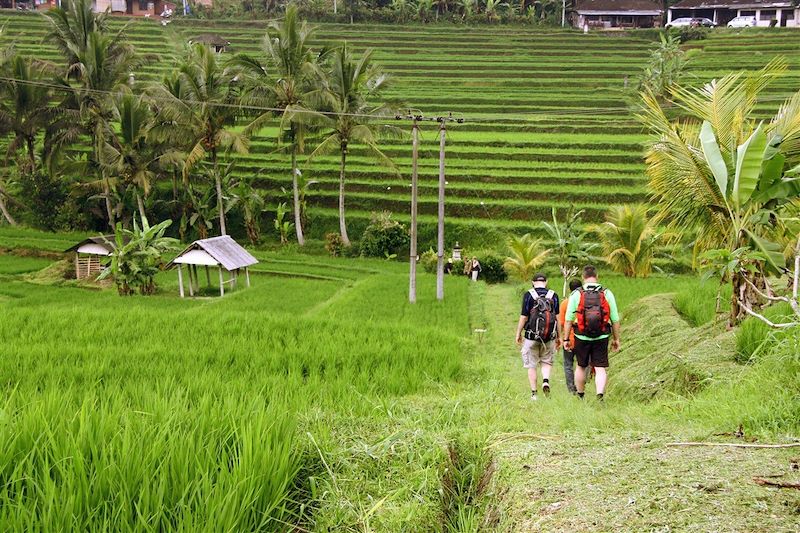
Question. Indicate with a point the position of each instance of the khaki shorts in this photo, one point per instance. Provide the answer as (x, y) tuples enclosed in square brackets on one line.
[(535, 353)]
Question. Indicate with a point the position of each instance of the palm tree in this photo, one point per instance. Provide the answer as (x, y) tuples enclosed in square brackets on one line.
[(25, 109), (570, 243), (251, 203), (351, 92), (70, 27), (24, 113), (283, 79), (722, 174), (126, 150), (204, 105), (97, 62), (525, 256), (629, 238)]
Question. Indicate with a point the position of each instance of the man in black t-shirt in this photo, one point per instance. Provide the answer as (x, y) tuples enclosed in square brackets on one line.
[(537, 352)]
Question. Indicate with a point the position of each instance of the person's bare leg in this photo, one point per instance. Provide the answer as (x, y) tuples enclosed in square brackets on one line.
[(532, 377), (600, 379), (546, 371), (580, 378)]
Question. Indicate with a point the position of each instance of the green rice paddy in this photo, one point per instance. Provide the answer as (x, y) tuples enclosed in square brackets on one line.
[(549, 113), (320, 400)]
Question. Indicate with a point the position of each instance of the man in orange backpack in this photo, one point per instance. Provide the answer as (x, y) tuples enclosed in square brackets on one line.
[(593, 310), (569, 355)]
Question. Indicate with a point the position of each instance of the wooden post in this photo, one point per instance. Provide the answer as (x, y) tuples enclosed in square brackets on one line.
[(208, 276), (247, 276), (221, 283), (412, 279), (440, 236), (196, 279), (77, 267), (191, 283), (180, 278)]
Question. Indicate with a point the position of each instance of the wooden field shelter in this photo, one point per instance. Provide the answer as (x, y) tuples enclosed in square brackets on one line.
[(88, 254), (213, 41), (221, 252)]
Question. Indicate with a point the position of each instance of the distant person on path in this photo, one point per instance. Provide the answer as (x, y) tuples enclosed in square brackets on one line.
[(569, 354), (448, 267), (537, 332), (593, 309), (468, 268), (475, 268)]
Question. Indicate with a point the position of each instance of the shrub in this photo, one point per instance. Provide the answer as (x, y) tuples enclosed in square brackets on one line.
[(334, 244), (44, 196), (492, 269), (428, 261), (689, 33), (384, 236)]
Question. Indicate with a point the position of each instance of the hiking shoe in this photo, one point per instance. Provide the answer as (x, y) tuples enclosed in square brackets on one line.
[(546, 389)]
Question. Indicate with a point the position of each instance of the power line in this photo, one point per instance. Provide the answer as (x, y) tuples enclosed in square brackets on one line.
[(489, 118), (436, 117)]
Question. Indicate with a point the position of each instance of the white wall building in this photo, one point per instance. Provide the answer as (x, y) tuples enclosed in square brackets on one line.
[(780, 13)]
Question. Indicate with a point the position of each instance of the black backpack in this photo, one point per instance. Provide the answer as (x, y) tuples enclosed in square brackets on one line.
[(542, 319)]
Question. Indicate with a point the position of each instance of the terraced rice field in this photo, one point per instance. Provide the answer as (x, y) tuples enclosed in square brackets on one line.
[(549, 119)]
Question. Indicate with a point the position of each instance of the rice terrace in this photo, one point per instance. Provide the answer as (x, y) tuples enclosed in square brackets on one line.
[(261, 266)]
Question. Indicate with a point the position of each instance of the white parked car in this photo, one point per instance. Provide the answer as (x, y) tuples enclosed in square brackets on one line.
[(679, 22), (742, 22), (690, 22)]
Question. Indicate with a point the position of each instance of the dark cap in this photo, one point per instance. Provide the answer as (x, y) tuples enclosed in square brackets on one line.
[(539, 277)]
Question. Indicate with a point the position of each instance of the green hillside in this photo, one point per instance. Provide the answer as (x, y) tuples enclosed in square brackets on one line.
[(548, 118)]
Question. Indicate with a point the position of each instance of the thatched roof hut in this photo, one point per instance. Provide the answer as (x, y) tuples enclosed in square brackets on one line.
[(212, 40), (88, 253), (222, 252)]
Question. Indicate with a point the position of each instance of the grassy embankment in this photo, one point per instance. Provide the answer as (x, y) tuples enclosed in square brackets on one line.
[(333, 403)]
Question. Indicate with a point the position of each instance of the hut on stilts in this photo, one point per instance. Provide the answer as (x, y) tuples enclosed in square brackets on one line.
[(221, 252)]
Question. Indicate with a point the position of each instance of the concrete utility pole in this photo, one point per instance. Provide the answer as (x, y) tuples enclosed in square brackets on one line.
[(440, 239), (563, 13), (412, 280)]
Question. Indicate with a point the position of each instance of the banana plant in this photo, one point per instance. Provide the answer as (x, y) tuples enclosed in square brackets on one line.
[(752, 185), (282, 226), (136, 256)]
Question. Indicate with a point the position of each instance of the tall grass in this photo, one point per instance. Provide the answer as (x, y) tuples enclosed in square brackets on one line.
[(168, 414), (754, 337), (765, 398), (154, 460), (10, 264), (698, 303)]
